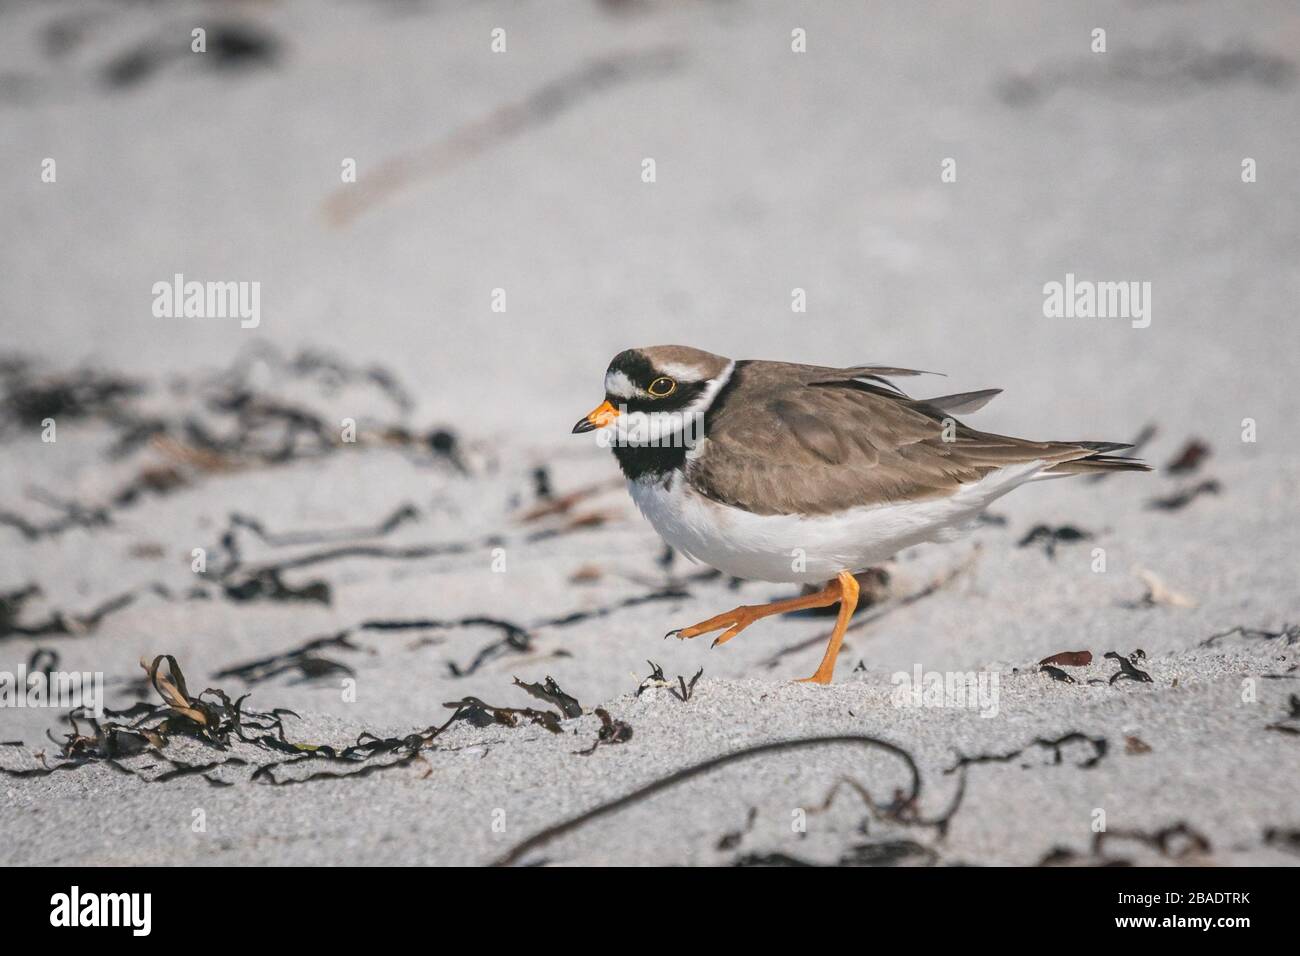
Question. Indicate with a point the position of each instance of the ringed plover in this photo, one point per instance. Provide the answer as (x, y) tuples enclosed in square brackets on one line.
[(773, 471)]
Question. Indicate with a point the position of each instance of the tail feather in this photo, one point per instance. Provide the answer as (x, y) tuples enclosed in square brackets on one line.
[(1098, 461), (1102, 446)]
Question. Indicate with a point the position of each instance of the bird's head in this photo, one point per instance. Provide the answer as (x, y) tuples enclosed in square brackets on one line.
[(661, 379)]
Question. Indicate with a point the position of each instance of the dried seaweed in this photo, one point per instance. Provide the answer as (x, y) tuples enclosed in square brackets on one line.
[(21, 772), (180, 769), (1128, 669), (551, 693), (1056, 745), (59, 622), (303, 659), (234, 422), (43, 660), (265, 580), (1189, 458), (74, 515), (1289, 635), (403, 514), (880, 853), (29, 397), (1290, 724), (1068, 659), (1291, 673), (222, 423), (889, 853), (160, 480), (1050, 537), (111, 741), (611, 732), (260, 580), (216, 721), (1287, 839), (1048, 665), (1135, 746), (514, 639), (266, 584), (903, 808), (1170, 69), (686, 689), (228, 565), (682, 691), (771, 859), (654, 679), (907, 798), (1181, 499), (266, 773), (1178, 841), (1055, 673), (542, 483), (229, 46), (481, 714), (308, 664), (11, 606), (1064, 856), (729, 841)]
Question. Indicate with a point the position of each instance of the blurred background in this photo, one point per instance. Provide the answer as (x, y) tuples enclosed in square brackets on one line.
[(457, 301), (775, 170)]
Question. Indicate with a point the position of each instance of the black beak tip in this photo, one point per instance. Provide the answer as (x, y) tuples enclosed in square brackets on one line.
[(584, 425)]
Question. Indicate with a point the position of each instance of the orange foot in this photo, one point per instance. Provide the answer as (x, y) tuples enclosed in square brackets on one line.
[(844, 590)]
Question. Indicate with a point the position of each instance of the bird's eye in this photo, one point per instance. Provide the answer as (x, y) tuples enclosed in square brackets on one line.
[(662, 387)]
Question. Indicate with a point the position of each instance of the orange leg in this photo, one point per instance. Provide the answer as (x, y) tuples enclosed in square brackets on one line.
[(848, 601), (737, 619)]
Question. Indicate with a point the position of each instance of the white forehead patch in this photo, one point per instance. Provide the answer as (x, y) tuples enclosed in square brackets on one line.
[(683, 373), (618, 384)]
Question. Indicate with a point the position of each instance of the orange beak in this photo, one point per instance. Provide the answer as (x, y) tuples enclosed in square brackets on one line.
[(599, 417)]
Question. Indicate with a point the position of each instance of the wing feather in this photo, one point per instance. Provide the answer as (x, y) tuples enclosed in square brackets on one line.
[(793, 439)]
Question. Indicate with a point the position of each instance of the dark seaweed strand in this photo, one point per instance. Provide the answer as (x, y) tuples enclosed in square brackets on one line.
[(548, 834)]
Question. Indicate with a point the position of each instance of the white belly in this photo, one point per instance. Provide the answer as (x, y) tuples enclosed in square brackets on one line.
[(810, 549)]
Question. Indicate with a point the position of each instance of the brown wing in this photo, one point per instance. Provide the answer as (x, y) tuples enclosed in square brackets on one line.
[(793, 439)]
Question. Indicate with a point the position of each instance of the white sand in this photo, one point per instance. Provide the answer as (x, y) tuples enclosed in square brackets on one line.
[(775, 171)]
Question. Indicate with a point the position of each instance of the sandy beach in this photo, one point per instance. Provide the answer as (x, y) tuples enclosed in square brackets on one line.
[(365, 519)]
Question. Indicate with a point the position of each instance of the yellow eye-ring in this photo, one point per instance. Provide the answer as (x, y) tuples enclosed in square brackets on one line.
[(662, 387)]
